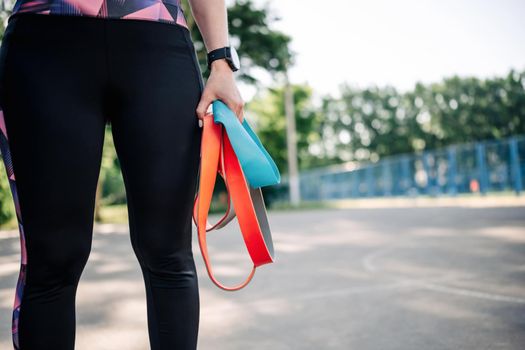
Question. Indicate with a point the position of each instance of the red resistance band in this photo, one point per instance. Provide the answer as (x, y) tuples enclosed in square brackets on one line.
[(218, 156)]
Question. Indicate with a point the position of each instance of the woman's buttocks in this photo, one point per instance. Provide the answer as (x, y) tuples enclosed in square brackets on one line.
[(73, 34), (53, 31)]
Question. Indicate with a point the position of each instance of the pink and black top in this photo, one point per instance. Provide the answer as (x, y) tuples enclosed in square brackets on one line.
[(168, 11)]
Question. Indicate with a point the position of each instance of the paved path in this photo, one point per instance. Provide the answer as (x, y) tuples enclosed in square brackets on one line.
[(364, 279)]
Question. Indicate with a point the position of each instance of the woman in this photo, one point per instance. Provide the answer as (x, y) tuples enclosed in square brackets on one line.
[(67, 68)]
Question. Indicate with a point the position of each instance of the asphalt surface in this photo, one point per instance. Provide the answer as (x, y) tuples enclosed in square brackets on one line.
[(364, 279)]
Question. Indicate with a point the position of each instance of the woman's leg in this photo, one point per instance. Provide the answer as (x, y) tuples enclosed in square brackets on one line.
[(156, 89), (52, 136)]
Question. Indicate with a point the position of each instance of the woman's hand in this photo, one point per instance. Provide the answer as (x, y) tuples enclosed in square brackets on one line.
[(221, 85)]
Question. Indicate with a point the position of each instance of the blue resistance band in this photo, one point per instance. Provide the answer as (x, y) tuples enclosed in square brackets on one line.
[(257, 165)]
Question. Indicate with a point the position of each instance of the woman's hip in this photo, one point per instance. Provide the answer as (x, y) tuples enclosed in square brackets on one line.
[(88, 31), (99, 54)]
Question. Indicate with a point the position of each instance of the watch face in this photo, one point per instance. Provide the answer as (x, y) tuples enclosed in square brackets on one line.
[(235, 57)]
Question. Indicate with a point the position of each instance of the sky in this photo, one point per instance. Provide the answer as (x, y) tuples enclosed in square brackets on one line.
[(381, 42)]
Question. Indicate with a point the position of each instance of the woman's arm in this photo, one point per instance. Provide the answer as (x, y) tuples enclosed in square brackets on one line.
[(211, 19)]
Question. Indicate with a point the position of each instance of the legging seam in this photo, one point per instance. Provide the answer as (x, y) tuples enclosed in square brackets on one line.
[(106, 52)]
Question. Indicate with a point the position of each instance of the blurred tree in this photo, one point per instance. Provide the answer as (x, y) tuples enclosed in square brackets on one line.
[(112, 190), (363, 124), (7, 209), (110, 187), (366, 124), (258, 45), (471, 109), (268, 108), (5, 10), (270, 124), (6, 200)]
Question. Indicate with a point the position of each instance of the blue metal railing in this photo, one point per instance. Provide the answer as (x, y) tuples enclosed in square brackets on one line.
[(481, 167)]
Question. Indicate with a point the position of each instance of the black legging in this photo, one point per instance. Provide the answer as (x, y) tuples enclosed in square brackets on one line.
[(62, 79)]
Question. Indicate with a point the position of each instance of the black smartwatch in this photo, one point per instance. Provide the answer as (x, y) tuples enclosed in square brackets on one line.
[(228, 53)]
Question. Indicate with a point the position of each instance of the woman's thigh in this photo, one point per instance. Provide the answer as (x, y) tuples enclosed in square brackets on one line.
[(156, 87), (50, 96)]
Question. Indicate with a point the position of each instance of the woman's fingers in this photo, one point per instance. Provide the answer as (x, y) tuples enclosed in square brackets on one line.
[(204, 104), (236, 105), (241, 110), (221, 85)]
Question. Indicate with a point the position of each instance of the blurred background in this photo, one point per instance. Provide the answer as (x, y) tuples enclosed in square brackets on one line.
[(399, 223)]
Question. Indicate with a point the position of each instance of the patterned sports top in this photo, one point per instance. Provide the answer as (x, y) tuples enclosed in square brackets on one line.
[(168, 11)]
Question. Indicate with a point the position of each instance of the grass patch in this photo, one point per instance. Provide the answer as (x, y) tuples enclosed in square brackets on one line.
[(117, 213)]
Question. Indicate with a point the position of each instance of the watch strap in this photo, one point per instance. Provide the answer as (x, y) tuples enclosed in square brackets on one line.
[(222, 52)]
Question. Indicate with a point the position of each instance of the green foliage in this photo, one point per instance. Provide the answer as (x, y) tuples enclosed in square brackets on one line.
[(270, 123), (6, 7), (259, 46), (7, 210), (366, 124), (113, 190)]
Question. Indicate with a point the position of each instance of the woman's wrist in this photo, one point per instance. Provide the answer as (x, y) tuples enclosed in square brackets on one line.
[(220, 65)]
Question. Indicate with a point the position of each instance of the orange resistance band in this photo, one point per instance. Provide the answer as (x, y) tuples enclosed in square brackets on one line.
[(218, 156)]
